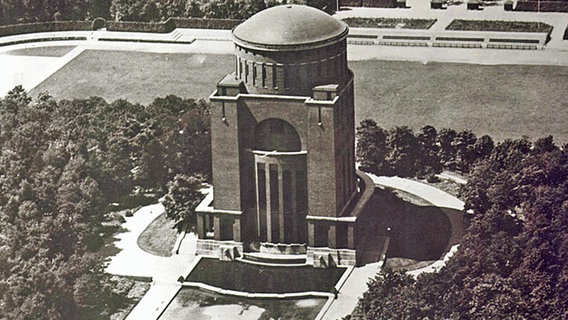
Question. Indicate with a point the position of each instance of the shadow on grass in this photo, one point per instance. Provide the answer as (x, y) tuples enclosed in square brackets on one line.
[(419, 233)]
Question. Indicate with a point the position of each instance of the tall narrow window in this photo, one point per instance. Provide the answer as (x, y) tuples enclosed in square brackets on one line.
[(254, 74), (274, 77), (264, 75)]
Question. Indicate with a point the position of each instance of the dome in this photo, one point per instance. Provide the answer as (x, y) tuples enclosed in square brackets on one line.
[(289, 27)]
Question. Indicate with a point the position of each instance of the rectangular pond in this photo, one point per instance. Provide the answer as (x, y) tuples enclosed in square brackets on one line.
[(192, 303), (252, 278)]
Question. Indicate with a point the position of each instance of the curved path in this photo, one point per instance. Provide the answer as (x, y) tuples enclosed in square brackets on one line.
[(356, 284), (164, 271)]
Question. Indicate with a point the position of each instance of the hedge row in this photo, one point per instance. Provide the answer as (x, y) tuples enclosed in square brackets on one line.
[(10, 43), (542, 6), (199, 23), (368, 3), (497, 25), (390, 23), (24, 28), (171, 24), (128, 26), (131, 26)]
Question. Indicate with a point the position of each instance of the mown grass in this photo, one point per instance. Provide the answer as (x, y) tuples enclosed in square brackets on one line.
[(137, 76), (159, 237), (55, 51), (504, 101)]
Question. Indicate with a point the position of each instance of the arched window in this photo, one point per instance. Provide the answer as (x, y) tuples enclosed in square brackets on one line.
[(276, 135)]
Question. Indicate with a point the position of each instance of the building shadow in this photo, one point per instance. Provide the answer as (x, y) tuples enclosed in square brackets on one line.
[(418, 232)]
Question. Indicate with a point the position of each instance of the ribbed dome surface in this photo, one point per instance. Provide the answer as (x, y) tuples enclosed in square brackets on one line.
[(289, 26)]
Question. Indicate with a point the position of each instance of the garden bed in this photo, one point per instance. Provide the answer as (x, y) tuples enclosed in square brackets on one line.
[(497, 25), (390, 23)]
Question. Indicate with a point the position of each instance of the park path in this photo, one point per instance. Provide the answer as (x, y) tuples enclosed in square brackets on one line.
[(164, 271)]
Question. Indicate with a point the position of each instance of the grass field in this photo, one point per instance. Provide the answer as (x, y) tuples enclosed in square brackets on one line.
[(137, 76), (55, 51), (505, 101)]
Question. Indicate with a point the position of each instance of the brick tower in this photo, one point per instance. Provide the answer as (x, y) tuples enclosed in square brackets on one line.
[(282, 131)]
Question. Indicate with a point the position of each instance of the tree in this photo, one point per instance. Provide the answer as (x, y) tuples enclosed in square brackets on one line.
[(447, 151), (403, 154), (372, 148), (429, 159), (182, 198)]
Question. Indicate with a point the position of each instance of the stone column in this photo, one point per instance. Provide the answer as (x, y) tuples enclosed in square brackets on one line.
[(258, 228), (311, 234), (281, 203), (237, 229), (201, 232), (217, 226), (268, 203), (331, 235), (294, 205), (351, 235)]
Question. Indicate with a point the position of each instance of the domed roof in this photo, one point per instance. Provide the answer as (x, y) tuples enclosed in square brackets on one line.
[(289, 27)]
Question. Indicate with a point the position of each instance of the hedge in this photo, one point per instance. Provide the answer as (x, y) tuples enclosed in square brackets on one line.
[(24, 28), (127, 26), (199, 23), (10, 43), (131, 26)]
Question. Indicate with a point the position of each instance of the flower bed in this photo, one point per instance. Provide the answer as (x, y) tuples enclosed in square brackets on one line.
[(390, 23), (496, 25)]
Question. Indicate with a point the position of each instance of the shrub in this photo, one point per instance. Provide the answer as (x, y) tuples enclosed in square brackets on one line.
[(99, 23)]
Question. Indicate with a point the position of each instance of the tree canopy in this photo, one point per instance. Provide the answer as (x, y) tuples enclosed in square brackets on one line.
[(61, 163), (511, 264)]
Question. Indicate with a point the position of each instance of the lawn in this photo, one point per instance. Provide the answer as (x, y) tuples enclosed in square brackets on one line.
[(55, 51), (159, 237), (198, 304), (137, 76), (505, 101)]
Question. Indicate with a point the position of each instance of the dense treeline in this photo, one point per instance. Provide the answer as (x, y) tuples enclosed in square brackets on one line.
[(18, 11), (400, 151), (61, 163), (511, 263)]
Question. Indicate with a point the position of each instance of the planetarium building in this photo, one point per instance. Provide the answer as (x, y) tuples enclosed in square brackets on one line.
[(282, 131)]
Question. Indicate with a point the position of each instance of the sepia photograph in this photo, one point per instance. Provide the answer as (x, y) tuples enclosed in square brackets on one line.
[(283, 159)]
